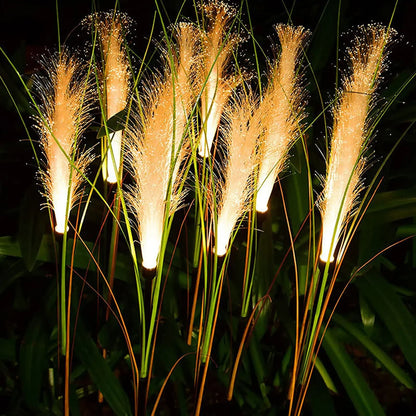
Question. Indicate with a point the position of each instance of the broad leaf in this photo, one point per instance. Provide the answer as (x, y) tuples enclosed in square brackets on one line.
[(388, 305), (363, 398), (101, 374)]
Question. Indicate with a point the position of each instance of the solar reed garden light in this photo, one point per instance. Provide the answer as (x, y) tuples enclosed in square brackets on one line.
[(349, 141), (157, 142), (112, 28), (218, 46), (281, 110), (64, 102), (65, 99), (241, 134), (349, 138)]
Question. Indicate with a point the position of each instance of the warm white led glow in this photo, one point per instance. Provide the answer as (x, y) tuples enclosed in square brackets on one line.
[(60, 228), (151, 231), (150, 247), (223, 236), (325, 256), (113, 156), (263, 194), (149, 261), (210, 122), (65, 99), (60, 210)]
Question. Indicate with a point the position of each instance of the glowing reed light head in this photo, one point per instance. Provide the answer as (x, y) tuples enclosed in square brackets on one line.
[(261, 208), (263, 195), (59, 199), (326, 257), (222, 243), (333, 219), (349, 136), (150, 251), (60, 228), (66, 98)]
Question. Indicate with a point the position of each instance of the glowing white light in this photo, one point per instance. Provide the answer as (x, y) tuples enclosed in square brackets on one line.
[(210, 122), (224, 229), (222, 244), (330, 234), (325, 255), (60, 201), (151, 237), (59, 228), (263, 195), (113, 157), (150, 251)]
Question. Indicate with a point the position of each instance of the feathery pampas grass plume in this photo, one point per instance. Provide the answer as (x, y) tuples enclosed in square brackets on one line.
[(112, 29), (350, 133), (241, 133), (65, 100), (218, 46), (156, 141), (281, 110)]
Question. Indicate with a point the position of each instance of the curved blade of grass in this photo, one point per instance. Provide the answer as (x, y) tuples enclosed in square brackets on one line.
[(376, 351), (362, 397), (390, 308), (329, 383)]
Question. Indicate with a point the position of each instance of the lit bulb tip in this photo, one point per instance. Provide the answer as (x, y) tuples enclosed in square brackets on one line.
[(324, 258)]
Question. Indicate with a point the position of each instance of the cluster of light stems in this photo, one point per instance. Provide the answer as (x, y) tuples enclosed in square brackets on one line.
[(65, 102), (349, 137), (258, 137)]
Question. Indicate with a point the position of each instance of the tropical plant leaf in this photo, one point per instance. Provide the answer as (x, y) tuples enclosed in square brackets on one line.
[(320, 398), (30, 229), (363, 398), (383, 298), (115, 123), (7, 349), (393, 205), (101, 374), (33, 362), (297, 198), (82, 259), (326, 378), (376, 351)]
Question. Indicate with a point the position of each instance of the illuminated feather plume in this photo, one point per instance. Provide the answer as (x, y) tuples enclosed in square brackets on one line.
[(65, 99), (241, 133), (350, 134), (282, 111), (218, 47), (157, 142), (112, 30)]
